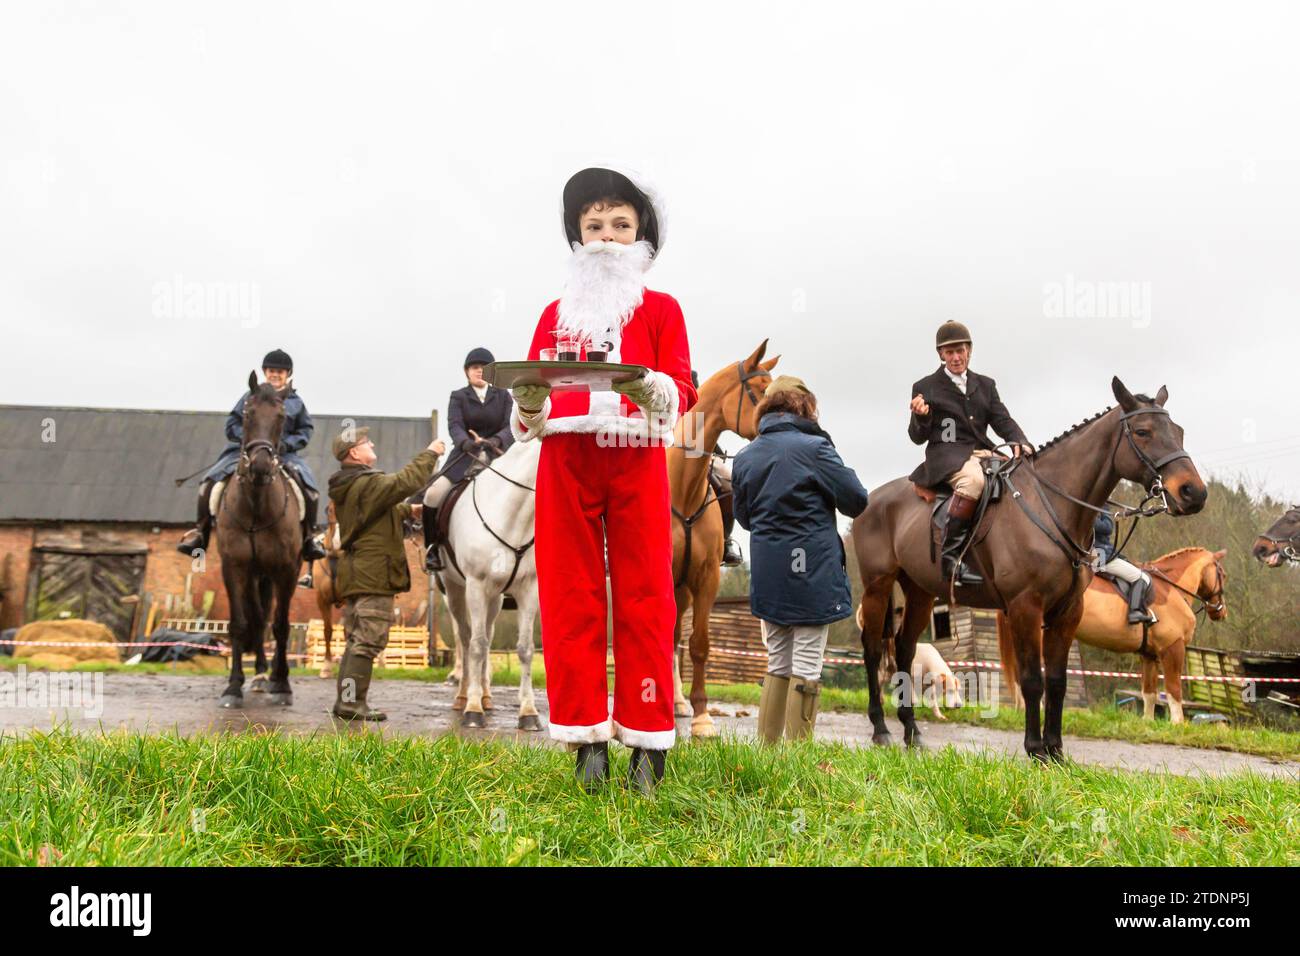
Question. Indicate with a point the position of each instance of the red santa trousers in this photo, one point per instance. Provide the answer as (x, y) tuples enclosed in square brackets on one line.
[(579, 482)]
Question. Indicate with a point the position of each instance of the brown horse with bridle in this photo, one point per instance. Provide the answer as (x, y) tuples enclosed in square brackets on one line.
[(1280, 543), (1033, 547), (727, 400), (261, 546)]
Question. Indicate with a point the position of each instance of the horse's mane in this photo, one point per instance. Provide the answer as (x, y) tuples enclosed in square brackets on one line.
[(1177, 552), (1147, 399)]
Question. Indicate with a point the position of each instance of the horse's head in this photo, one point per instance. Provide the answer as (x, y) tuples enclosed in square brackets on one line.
[(1281, 542), (1150, 451), (263, 424), (742, 386), (1214, 580)]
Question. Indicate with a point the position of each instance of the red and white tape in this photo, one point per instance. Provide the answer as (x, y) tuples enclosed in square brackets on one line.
[(990, 665), (219, 648)]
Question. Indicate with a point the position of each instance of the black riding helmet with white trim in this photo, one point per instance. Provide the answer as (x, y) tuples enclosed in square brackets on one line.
[(598, 182)]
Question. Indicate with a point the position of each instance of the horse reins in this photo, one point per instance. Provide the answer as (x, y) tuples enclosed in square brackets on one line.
[(518, 552)]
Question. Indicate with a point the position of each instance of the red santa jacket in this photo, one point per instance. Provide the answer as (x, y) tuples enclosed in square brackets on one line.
[(655, 336)]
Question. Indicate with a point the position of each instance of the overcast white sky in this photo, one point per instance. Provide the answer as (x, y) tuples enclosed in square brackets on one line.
[(385, 180)]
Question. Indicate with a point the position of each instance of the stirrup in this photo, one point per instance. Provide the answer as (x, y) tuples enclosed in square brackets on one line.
[(306, 581)]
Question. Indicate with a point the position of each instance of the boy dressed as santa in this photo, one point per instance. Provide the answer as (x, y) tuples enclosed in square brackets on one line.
[(602, 481)]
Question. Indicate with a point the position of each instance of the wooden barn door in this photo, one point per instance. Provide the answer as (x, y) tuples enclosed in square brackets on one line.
[(97, 586)]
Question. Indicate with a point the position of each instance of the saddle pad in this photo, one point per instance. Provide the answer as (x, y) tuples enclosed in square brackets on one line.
[(214, 499)]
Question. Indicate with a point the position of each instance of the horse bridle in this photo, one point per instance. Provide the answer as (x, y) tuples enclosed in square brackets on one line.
[(246, 452), (1156, 489), (1287, 546), (756, 372)]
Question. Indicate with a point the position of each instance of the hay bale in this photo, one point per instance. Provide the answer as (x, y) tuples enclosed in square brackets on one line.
[(105, 648)]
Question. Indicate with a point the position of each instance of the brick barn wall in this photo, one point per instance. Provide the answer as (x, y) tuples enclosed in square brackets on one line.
[(165, 569)]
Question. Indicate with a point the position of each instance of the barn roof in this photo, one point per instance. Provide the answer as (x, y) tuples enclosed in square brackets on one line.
[(118, 464)]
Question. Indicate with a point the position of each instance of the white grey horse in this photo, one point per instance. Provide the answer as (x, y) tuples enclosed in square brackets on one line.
[(488, 554)]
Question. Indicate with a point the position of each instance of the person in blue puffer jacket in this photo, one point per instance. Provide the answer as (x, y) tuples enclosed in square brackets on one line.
[(788, 485)]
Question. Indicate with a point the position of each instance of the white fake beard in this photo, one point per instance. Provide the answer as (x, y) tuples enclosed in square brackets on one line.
[(606, 284)]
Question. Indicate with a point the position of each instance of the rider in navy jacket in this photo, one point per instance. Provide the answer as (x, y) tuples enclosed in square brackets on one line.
[(297, 432)]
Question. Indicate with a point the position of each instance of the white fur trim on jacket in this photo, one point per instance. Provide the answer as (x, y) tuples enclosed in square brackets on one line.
[(645, 739), (596, 733), (525, 427)]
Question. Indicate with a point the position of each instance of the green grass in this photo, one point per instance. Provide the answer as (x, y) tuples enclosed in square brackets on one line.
[(1107, 723), (356, 799)]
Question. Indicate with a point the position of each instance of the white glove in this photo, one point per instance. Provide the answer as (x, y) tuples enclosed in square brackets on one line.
[(530, 398), (640, 391)]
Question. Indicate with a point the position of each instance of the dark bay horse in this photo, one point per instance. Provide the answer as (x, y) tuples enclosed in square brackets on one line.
[(261, 546), (727, 401), (1281, 542), (1032, 547)]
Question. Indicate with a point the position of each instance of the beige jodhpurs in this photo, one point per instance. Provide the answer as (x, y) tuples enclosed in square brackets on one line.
[(968, 480)]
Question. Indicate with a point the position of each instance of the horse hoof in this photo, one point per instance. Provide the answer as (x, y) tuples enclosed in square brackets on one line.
[(703, 728), (258, 684), (281, 698), (487, 704), (916, 744), (1037, 754), (683, 710), (458, 703), (231, 701), (473, 720), (883, 739), (530, 722)]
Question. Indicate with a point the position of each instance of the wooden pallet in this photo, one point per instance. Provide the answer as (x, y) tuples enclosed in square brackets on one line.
[(408, 647), (1222, 696), (731, 628)]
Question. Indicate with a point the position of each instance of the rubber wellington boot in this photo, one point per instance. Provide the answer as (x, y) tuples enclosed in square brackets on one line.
[(351, 703), (801, 708), (771, 708)]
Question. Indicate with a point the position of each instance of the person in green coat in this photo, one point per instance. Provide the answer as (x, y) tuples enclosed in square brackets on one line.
[(372, 569)]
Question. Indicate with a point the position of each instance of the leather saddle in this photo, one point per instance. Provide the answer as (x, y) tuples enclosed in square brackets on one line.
[(939, 497)]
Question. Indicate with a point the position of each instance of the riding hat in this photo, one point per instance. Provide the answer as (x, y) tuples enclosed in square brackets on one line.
[(479, 356), (348, 439), (278, 358), (595, 183), (951, 333), (786, 383)]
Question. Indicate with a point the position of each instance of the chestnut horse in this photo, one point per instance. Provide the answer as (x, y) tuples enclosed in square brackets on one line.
[(1281, 542), (327, 601), (727, 400), (1179, 578), (261, 546), (1033, 546)]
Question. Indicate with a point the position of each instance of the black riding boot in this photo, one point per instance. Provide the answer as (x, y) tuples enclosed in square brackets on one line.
[(196, 539), (646, 769), (1138, 612), (960, 515), (432, 543), (311, 551), (593, 766)]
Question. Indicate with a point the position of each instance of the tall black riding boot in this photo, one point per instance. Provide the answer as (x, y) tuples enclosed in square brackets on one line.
[(1138, 612), (196, 539), (311, 551), (960, 515), (432, 543)]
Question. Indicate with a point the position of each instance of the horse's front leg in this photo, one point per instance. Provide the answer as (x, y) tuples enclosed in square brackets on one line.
[(527, 601), (1173, 660), (702, 723), (460, 640), (681, 707), (1026, 621), (1150, 677), (233, 695), (278, 689), (475, 648), (1056, 658)]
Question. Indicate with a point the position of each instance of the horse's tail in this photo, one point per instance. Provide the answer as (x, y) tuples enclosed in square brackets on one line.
[(1007, 651), (886, 632)]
